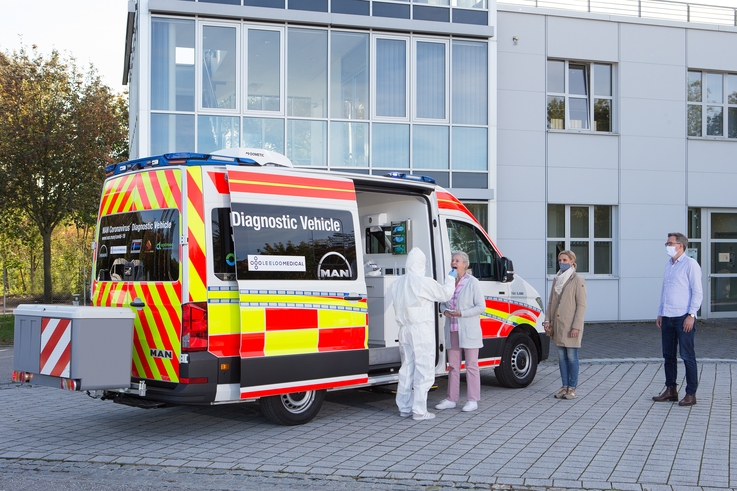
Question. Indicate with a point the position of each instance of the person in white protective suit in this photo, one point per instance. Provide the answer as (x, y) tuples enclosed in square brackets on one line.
[(413, 295)]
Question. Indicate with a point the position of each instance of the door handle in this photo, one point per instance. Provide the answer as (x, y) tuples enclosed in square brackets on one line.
[(351, 298), (138, 304)]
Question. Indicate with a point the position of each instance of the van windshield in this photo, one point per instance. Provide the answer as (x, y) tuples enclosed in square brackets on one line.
[(139, 246)]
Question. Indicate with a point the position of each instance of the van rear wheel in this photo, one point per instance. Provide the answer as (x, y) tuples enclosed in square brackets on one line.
[(519, 362), (293, 409)]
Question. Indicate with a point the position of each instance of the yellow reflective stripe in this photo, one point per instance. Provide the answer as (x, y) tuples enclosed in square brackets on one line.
[(253, 320), (222, 294), (301, 299), (223, 318), (340, 318), (291, 342), (196, 226)]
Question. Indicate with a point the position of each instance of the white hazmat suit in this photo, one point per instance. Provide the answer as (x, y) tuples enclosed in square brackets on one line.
[(413, 295)]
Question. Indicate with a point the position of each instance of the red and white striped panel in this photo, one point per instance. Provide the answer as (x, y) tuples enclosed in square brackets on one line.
[(56, 346)]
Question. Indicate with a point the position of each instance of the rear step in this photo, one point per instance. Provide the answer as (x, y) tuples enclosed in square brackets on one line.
[(127, 400)]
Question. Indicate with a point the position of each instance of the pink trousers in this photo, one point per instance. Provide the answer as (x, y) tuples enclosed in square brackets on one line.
[(473, 379)]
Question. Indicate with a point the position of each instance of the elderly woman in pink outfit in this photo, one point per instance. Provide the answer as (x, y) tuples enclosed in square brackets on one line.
[(463, 332)]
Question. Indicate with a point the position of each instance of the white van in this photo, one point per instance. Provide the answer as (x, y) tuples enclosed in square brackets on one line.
[(256, 281)]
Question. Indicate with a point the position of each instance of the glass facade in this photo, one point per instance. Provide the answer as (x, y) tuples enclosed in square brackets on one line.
[(326, 98)]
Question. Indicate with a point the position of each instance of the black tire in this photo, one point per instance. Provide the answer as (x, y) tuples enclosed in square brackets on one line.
[(293, 409), (519, 362)]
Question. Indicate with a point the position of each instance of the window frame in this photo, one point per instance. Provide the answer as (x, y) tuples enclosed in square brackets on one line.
[(592, 239), (446, 79), (704, 105), (591, 97), (234, 111), (375, 37), (246, 28)]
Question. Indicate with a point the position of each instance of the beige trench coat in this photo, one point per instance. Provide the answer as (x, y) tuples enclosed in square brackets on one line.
[(566, 312)]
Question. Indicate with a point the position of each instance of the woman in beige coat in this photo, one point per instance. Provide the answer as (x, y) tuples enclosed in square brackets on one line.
[(564, 321)]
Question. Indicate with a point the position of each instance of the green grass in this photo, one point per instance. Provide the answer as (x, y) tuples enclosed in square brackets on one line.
[(6, 329)]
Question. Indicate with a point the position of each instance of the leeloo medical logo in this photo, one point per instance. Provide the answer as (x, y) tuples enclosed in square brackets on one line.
[(276, 263)]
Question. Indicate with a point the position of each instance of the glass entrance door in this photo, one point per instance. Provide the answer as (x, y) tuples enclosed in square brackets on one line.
[(722, 288)]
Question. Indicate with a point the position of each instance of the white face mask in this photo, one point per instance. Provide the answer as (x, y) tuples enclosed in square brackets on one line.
[(670, 250)]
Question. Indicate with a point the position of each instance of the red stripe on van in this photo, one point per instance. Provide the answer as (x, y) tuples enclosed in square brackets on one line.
[(341, 338), (218, 179), (306, 187), (282, 319), (225, 344), (246, 394), (252, 344)]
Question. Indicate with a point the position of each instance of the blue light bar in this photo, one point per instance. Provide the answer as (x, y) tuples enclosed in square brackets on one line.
[(410, 177), (179, 158)]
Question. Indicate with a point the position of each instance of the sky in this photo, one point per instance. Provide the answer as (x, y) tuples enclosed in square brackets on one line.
[(91, 30)]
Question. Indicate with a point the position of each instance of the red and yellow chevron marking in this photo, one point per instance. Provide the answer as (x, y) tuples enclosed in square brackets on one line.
[(298, 186), (142, 191), (196, 242), (311, 324), (497, 321), (223, 321), (220, 182), (157, 327)]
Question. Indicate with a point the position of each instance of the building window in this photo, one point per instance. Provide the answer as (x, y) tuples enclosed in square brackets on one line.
[(579, 96), (585, 230), (712, 104)]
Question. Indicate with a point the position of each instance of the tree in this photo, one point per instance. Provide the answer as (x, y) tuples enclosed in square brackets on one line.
[(59, 127)]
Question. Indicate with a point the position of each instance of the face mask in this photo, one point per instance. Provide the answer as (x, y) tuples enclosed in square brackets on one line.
[(564, 266), (670, 250)]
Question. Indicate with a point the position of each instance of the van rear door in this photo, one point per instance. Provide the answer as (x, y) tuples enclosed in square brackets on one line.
[(302, 293)]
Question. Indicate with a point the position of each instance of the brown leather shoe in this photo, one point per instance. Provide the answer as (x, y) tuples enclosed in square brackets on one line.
[(688, 400), (669, 394)]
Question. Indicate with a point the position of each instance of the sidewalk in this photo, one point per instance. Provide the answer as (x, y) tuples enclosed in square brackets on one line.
[(613, 436)]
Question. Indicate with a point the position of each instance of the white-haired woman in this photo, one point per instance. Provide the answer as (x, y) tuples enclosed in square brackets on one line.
[(564, 320), (463, 332)]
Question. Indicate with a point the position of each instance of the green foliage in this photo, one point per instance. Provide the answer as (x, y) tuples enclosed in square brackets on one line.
[(6, 329), (59, 127)]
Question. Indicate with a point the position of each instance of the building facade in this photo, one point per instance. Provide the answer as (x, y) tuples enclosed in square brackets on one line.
[(594, 132)]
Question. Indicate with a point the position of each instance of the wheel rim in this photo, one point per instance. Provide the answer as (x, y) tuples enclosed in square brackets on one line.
[(298, 402), (520, 361)]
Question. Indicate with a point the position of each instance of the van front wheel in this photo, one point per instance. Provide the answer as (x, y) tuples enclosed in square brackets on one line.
[(293, 409), (519, 362)]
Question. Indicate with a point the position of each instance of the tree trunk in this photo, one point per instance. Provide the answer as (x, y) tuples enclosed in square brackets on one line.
[(46, 236)]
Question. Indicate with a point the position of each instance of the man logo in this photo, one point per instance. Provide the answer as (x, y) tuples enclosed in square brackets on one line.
[(160, 353), (334, 265)]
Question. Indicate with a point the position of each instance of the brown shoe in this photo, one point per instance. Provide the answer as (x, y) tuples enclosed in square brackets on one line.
[(669, 394), (688, 400)]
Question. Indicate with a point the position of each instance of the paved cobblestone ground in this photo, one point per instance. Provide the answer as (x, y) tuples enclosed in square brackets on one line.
[(612, 437)]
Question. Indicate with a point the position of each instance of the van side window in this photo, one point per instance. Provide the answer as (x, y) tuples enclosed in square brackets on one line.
[(467, 238), (223, 249), (274, 242), (139, 246)]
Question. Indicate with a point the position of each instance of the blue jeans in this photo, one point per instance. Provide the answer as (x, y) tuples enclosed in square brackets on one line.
[(671, 329), (568, 364)]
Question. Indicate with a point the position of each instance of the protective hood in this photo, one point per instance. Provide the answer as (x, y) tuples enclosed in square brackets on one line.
[(409, 288)]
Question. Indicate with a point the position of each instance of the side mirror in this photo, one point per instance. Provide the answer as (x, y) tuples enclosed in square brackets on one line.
[(507, 270)]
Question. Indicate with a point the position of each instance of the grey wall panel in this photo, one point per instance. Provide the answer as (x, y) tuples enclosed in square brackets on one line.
[(642, 117), (639, 299), (521, 148), (652, 186), (521, 71), (712, 156), (519, 110), (717, 189), (577, 186), (648, 256), (652, 44), (602, 300), (650, 222), (528, 257), (583, 150), (582, 39), (518, 178), (711, 50), (511, 227), (529, 29), (654, 153), (652, 81)]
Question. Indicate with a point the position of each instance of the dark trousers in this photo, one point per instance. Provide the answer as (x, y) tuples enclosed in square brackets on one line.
[(673, 337)]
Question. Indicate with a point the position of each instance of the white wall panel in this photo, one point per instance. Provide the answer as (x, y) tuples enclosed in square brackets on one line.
[(711, 50), (653, 118), (521, 110), (521, 148), (583, 186), (645, 258), (582, 39), (651, 81), (519, 71), (583, 150), (712, 156), (650, 222), (528, 257), (652, 187), (521, 220), (602, 301), (717, 190), (529, 29), (639, 300), (652, 44), (653, 153), (521, 183)]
